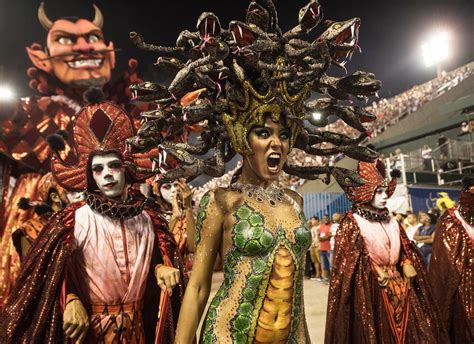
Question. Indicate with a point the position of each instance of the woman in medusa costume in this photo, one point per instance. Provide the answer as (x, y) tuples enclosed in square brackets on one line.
[(381, 292), (252, 82)]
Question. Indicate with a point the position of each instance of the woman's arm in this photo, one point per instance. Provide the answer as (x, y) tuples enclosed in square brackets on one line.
[(190, 228), (209, 223)]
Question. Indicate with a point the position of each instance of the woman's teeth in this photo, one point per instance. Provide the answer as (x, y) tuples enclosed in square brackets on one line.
[(273, 161)]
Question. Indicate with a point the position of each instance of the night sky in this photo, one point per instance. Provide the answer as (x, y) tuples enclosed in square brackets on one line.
[(391, 32)]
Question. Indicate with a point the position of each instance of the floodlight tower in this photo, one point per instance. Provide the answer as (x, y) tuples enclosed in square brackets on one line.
[(436, 50)]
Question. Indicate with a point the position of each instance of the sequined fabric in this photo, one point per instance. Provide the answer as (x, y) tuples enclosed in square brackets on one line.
[(14, 217), (23, 140), (29, 230), (33, 313), (451, 275), (356, 309)]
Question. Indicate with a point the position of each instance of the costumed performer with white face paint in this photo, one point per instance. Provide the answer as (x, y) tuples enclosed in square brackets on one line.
[(95, 269), (380, 292), (175, 202)]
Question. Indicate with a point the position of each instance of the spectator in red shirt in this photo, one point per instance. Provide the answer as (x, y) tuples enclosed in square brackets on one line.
[(324, 234)]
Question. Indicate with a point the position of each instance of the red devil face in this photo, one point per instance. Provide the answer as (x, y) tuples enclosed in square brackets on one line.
[(77, 54)]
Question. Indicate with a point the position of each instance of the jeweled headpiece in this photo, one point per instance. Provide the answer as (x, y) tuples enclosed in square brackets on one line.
[(242, 117), (250, 71), (100, 128), (374, 176)]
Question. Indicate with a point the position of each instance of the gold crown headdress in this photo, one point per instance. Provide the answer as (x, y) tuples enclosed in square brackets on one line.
[(242, 117)]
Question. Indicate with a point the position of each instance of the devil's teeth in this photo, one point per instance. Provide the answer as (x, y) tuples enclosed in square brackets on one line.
[(85, 63), (275, 156)]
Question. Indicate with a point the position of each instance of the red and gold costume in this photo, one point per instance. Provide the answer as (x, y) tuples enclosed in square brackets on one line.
[(24, 127), (30, 229), (360, 309), (451, 269), (101, 251)]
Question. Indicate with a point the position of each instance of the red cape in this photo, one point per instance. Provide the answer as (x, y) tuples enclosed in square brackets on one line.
[(33, 313), (356, 311), (451, 275)]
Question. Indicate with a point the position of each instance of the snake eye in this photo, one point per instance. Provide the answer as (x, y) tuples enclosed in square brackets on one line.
[(337, 26), (147, 85)]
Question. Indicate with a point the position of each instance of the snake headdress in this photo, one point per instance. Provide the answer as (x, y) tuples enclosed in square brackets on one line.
[(228, 80)]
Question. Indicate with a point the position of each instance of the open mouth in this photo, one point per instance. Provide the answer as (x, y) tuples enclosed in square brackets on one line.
[(241, 35), (141, 93), (85, 63), (314, 12), (208, 27), (148, 91), (347, 41), (273, 162)]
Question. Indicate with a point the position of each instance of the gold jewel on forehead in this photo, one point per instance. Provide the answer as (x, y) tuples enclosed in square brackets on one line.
[(256, 106)]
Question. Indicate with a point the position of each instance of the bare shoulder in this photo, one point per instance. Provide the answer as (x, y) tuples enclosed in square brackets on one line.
[(295, 196), (219, 197)]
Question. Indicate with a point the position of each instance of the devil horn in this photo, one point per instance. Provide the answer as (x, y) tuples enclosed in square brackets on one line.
[(43, 18), (98, 18)]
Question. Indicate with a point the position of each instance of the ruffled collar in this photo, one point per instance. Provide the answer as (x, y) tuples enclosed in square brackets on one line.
[(371, 214), (103, 205)]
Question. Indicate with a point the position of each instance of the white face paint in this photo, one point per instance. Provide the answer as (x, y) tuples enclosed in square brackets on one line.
[(168, 191), (109, 175), (380, 199)]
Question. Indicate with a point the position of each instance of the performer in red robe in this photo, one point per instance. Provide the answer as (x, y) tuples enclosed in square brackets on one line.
[(380, 292), (174, 201), (96, 269), (451, 269), (75, 57)]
